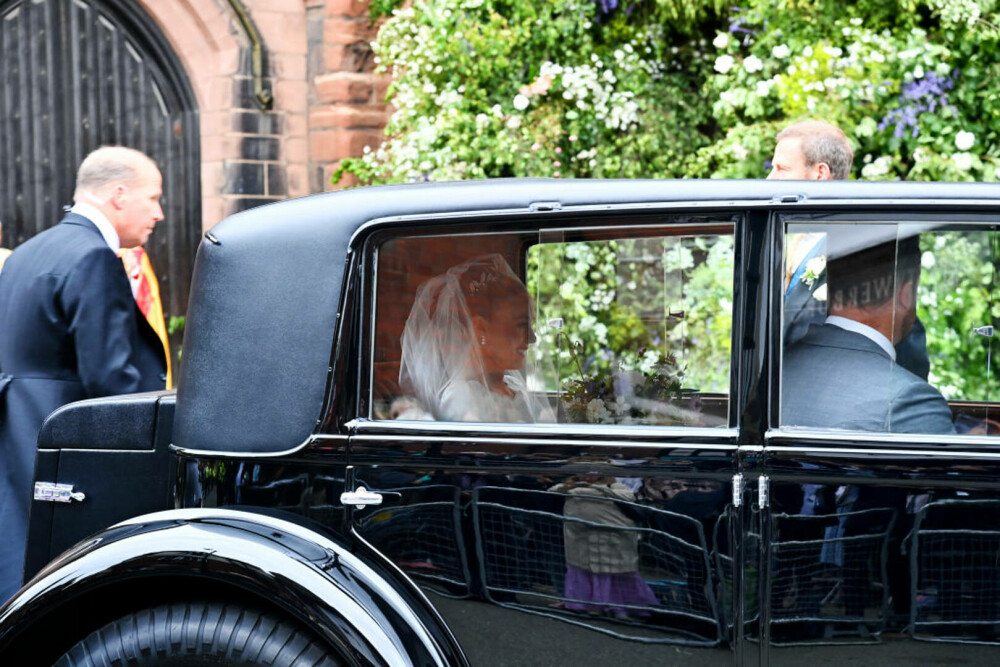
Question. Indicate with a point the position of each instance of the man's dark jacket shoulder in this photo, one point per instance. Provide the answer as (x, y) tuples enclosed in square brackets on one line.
[(69, 329)]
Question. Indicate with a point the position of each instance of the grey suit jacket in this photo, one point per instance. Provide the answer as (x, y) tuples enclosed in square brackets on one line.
[(833, 378)]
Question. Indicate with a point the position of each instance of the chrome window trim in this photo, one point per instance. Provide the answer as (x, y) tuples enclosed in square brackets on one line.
[(369, 301), (667, 207), (784, 219), (790, 439), (552, 434)]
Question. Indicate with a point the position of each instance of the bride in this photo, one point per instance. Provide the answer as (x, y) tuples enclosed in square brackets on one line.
[(465, 343)]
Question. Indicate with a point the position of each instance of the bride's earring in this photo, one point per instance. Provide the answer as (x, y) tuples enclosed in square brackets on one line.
[(482, 339)]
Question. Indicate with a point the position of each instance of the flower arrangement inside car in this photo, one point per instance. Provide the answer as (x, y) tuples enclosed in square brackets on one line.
[(650, 394)]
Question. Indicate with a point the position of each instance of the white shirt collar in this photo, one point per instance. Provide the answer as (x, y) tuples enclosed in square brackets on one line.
[(872, 334), (103, 224)]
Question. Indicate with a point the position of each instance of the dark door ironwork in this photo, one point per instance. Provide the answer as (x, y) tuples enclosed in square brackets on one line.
[(78, 74)]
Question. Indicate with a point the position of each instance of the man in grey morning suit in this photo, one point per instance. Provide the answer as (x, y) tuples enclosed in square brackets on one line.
[(69, 326), (843, 373)]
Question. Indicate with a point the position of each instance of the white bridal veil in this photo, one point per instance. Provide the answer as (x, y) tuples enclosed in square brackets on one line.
[(442, 360)]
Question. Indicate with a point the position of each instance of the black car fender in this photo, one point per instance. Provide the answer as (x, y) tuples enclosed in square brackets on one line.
[(349, 601)]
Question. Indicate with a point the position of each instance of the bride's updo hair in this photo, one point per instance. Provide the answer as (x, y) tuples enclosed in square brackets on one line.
[(485, 281)]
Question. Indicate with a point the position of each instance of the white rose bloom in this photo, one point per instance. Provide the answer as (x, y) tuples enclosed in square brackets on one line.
[(816, 265), (521, 102), (964, 140), (763, 88), (514, 122), (962, 160), (721, 41), (724, 63), (781, 51), (753, 64)]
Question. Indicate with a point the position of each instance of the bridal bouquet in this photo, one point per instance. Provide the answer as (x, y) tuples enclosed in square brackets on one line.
[(625, 396)]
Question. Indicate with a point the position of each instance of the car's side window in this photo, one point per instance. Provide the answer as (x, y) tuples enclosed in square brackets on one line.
[(888, 327), (601, 325), (638, 328)]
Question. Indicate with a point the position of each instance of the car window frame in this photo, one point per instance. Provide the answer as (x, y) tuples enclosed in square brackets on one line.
[(537, 224), (778, 435)]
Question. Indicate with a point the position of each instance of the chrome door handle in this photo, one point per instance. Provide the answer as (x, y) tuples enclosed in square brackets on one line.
[(360, 498), (57, 493)]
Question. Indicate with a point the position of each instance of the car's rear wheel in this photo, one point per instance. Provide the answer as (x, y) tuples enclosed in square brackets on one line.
[(199, 634)]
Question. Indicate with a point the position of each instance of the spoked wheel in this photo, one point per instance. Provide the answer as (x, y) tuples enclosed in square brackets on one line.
[(199, 634)]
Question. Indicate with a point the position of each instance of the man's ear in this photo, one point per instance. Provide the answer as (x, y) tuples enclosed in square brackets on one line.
[(907, 295), (823, 172), (116, 197)]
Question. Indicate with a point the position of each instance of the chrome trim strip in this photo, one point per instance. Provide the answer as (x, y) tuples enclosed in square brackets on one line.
[(367, 427), (940, 453), (553, 442), (722, 204), (902, 440), (230, 454)]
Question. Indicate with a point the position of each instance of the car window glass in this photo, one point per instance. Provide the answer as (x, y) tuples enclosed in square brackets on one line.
[(601, 326), (888, 327), (638, 330)]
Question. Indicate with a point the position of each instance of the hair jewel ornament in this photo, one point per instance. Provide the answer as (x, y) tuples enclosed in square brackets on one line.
[(485, 278)]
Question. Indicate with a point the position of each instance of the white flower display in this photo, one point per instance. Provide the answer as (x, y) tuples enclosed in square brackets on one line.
[(963, 161), (781, 51), (880, 167), (753, 64), (964, 140), (724, 63), (814, 269), (721, 41), (521, 102), (597, 412)]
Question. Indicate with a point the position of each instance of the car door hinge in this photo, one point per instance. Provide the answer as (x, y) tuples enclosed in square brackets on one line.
[(51, 492), (763, 491), (738, 490)]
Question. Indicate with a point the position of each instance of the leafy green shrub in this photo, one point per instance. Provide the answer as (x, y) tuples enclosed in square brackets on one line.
[(693, 88)]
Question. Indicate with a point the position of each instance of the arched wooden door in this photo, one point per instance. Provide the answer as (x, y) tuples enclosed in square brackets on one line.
[(78, 74)]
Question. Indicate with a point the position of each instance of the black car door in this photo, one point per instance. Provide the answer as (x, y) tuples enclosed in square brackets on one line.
[(881, 517), (583, 511)]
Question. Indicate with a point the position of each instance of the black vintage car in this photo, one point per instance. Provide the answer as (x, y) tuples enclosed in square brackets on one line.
[(331, 484)]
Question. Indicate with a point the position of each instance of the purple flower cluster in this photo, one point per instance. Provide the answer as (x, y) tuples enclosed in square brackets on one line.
[(736, 22), (605, 7), (925, 95)]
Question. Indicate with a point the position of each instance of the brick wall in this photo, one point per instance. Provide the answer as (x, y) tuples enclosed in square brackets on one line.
[(347, 110), (327, 103)]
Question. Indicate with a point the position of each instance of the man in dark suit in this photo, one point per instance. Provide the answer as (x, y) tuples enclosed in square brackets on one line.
[(69, 326), (844, 372)]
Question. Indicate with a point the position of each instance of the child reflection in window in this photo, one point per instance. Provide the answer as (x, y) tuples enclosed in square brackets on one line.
[(465, 344), (602, 553)]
